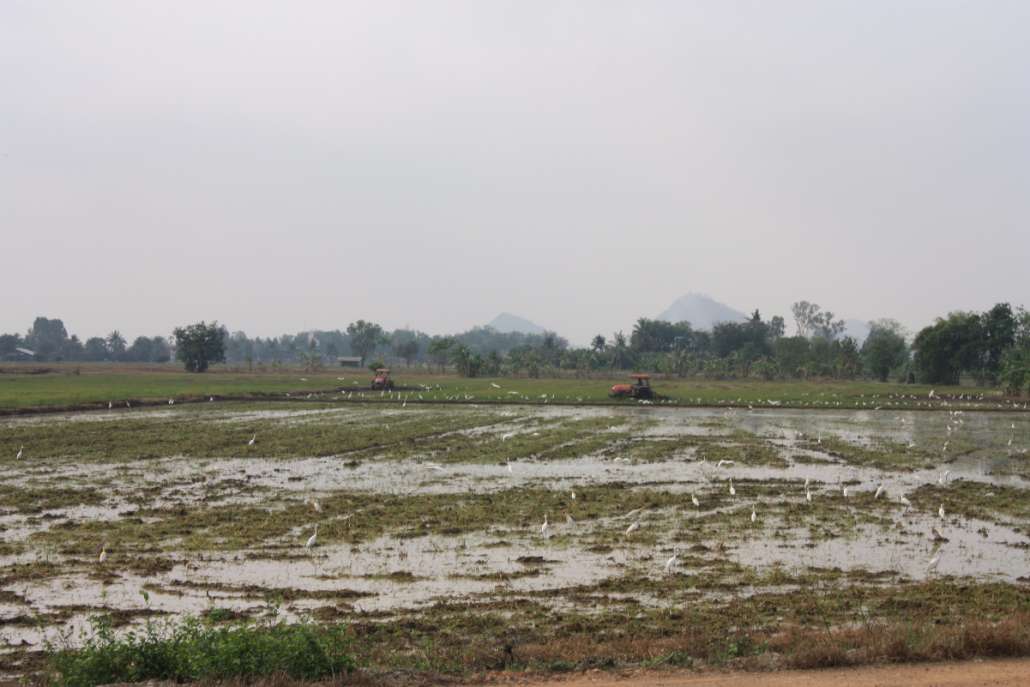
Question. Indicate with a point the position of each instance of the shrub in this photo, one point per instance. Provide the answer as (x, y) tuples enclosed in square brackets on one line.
[(190, 650)]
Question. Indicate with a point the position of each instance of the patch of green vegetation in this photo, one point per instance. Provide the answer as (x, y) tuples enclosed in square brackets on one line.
[(189, 650), (607, 626), (192, 433), (38, 499), (975, 500), (885, 455), (94, 385)]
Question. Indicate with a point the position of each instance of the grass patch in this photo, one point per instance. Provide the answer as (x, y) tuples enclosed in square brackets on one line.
[(189, 650)]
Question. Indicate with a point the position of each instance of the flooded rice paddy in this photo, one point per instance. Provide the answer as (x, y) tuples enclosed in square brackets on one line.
[(207, 510)]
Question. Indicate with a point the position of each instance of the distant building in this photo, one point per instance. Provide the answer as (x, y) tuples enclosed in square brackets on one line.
[(349, 360)]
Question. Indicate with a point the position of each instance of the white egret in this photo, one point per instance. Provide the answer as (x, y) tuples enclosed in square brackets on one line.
[(806, 483), (693, 499), (171, 401), (633, 527), (844, 492), (723, 462), (110, 405), (879, 490), (508, 465), (316, 505), (509, 435), (252, 440), (545, 526), (934, 562), (312, 539), (733, 492), (808, 495), (496, 386), (572, 493), (754, 515), (103, 554), (669, 563), (20, 452), (211, 399), (940, 511), (906, 502)]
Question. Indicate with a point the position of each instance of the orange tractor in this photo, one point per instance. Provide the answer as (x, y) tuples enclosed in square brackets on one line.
[(641, 388), (382, 381)]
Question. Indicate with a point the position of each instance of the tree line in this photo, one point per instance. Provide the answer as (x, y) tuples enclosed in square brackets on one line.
[(988, 348)]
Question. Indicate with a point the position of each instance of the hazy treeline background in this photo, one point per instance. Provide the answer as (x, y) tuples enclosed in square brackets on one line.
[(987, 348)]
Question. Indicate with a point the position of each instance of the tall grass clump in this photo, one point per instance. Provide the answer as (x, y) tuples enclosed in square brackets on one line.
[(189, 649)]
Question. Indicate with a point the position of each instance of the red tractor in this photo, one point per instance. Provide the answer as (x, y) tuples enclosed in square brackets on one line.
[(382, 381), (641, 388)]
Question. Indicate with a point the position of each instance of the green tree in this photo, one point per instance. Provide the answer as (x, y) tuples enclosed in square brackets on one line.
[(998, 328), (116, 345), (440, 350), (598, 344), (365, 337), (198, 345), (46, 338), (947, 348), (884, 349), (95, 349)]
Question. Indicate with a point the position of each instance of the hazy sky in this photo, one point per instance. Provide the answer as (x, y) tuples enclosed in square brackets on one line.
[(282, 166)]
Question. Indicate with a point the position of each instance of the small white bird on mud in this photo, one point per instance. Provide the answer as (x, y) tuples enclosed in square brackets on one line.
[(754, 514), (20, 452), (671, 562), (102, 558), (879, 491), (733, 492), (693, 500), (252, 440), (633, 527), (546, 526), (509, 435), (808, 496), (312, 539), (940, 511), (171, 401), (934, 562)]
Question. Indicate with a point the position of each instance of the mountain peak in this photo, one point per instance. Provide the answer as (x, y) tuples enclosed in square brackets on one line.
[(506, 322), (701, 311)]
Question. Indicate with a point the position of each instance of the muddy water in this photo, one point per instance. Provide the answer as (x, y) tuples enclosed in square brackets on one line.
[(395, 575)]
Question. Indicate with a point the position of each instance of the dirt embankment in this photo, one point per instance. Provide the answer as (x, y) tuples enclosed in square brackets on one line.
[(993, 673)]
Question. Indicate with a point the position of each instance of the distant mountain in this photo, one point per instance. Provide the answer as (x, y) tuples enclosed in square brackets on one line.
[(506, 322), (700, 311)]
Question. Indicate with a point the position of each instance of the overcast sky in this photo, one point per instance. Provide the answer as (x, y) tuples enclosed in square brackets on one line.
[(283, 166)]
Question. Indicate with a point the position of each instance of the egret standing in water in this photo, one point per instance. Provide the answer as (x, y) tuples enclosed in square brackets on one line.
[(20, 452), (252, 440), (693, 499), (312, 539), (733, 492)]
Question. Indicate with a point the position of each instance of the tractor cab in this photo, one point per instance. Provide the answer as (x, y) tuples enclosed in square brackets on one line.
[(640, 388), (382, 380)]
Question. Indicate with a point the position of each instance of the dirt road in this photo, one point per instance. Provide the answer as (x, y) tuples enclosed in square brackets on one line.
[(995, 673)]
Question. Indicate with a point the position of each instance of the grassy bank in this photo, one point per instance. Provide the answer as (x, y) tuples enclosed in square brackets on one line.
[(68, 385)]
